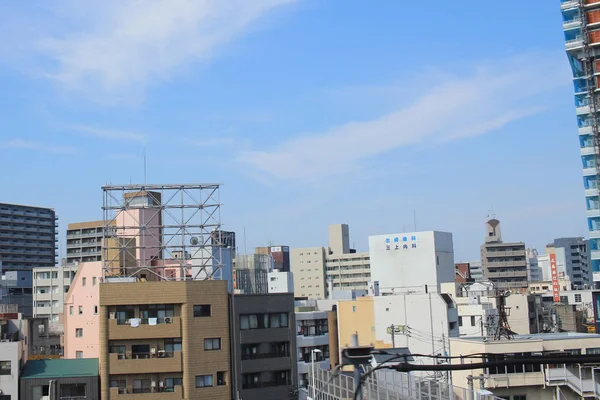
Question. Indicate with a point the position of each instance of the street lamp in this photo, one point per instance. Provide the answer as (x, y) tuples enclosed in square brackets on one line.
[(312, 359)]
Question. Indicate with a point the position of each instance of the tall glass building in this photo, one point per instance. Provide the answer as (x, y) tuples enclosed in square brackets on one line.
[(581, 24)]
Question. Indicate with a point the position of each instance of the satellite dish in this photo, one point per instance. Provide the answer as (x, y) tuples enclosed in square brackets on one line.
[(194, 241)]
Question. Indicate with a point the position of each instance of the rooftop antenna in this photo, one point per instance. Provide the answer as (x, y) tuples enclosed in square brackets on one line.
[(415, 219)]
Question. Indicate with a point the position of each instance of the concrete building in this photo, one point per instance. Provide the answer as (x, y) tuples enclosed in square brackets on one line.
[(504, 264), (50, 288), (280, 282), (60, 379), (43, 339), (264, 347), (11, 362), (164, 340), (251, 273), (575, 250), (462, 273), (534, 271), (280, 255), (84, 242), (530, 382), (312, 341), (581, 38), (81, 313), (411, 262), (308, 266), (27, 240), (476, 271)]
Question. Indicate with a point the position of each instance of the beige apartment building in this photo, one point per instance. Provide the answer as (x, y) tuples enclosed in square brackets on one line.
[(165, 340), (339, 267), (504, 264), (84, 242)]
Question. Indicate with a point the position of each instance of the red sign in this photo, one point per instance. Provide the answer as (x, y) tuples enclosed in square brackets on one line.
[(555, 285)]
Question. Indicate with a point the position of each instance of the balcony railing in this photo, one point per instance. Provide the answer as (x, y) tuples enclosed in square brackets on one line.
[(136, 356), (259, 356), (257, 385)]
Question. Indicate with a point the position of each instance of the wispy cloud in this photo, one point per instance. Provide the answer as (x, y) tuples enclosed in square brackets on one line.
[(109, 134), (115, 48), (210, 142), (491, 97), (36, 146)]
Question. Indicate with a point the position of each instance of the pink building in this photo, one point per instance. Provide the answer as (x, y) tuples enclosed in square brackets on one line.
[(81, 335)]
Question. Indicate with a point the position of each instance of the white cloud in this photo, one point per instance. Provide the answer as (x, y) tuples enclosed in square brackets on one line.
[(486, 100), (109, 134), (123, 46), (36, 146)]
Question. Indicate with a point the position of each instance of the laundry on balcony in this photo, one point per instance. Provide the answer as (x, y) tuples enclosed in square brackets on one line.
[(135, 322), (152, 321)]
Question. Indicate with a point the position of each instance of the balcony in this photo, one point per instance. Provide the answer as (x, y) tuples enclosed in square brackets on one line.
[(266, 364), (590, 171), (593, 213), (569, 4), (585, 130), (118, 331), (146, 363), (515, 380), (591, 192), (582, 109), (310, 341), (595, 254), (128, 394), (572, 24), (587, 151), (500, 264), (594, 234)]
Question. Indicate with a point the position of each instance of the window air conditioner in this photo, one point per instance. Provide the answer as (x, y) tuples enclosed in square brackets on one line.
[(168, 320)]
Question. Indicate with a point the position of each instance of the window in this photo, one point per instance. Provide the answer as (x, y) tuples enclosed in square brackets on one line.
[(80, 310), (72, 390), (95, 310), (353, 308), (212, 344), (79, 354), (519, 397), (70, 310), (67, 289), (593, 350), (221, 378), (170, 383), (83, 281), (204, 381), (172, 345), (41, 329), (472, 320), (577, 298), (4, 367), (94, 281), (202, 311), (459, 321), (78, 332), (262, 321)]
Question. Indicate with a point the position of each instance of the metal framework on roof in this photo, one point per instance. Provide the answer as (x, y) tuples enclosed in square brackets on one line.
[(162, 232)]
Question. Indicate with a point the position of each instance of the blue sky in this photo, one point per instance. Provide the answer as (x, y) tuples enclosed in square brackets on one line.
[(310, 112)]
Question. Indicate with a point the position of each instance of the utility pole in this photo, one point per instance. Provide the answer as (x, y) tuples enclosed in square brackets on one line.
[(357, 376), (393, 333), (481, 325)]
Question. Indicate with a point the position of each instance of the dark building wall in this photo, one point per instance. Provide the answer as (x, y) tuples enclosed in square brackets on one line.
[(576, 259), (92, 388), (261, 304), (42, 341)]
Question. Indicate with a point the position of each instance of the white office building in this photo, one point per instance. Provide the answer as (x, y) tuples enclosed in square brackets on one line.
[(411, 262), (280, 282)]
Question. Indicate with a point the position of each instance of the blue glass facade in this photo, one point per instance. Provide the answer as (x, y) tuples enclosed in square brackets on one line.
[(581, 25)]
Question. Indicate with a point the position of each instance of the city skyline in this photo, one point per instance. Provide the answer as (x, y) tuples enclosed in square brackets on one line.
[(305, 123)]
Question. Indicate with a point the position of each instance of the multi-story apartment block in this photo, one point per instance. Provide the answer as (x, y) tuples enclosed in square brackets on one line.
[(84, 242), (27, 240), (165, 340), (280, 255), (50, 288), (315, 268), (582, 36), (504, 264), (576, 260), (312, 341), (264, 347)]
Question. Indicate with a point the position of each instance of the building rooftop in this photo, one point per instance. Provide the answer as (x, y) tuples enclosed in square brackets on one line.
[(47, 369), (534, 336)]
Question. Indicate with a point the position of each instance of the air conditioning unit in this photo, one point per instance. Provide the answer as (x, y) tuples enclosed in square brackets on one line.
[(168, 320)]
